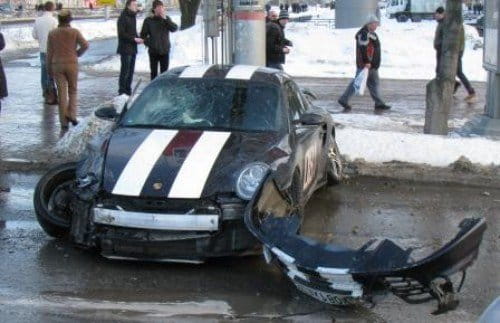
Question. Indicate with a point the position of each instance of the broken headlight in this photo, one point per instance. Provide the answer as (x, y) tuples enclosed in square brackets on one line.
[(249, 179)]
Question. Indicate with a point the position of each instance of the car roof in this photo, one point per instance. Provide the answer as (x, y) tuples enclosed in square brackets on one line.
[(228, 72)]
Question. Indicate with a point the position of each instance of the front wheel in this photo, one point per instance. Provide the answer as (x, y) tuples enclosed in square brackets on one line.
[(51, 200), (334, 165)]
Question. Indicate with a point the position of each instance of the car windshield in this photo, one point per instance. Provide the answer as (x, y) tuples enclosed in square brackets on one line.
[(208, 104)]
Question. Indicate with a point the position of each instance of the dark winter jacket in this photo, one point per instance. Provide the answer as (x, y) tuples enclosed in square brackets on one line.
[(3, 79), (367, 48), (155, 32), (275, 42), (438, 37), (127, 33)]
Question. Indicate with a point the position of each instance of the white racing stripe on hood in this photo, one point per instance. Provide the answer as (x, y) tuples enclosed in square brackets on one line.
[(195, 71), (241, 72), (139, 166), (195, 170)]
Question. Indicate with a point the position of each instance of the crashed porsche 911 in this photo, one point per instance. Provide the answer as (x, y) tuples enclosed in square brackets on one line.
[(214, 161), (171, 181)]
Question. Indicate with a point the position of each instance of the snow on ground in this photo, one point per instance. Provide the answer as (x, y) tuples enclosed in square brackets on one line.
[(20, 36), (384, 146), (408, 51)]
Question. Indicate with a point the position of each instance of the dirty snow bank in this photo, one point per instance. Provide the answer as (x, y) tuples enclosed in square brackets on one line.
[(439, 151), (75, 141)]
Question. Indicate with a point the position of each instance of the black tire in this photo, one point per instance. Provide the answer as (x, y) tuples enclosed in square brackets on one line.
[(50, 201), (334, 169)]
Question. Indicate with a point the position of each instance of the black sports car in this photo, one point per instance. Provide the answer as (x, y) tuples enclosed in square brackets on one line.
[(171, 181)]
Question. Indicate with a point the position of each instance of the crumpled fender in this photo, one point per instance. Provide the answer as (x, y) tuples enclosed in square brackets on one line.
[(339, 275)]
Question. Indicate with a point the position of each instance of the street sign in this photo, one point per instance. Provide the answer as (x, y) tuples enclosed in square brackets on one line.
[(106, 2)]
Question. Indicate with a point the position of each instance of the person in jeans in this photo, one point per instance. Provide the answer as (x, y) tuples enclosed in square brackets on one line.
[(368, 55), (43, 25), (439, 15), (156, 34), (127, 46), (65, 44)]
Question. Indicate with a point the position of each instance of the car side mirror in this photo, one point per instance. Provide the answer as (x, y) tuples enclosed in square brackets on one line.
[(312, 119), (106, 113)]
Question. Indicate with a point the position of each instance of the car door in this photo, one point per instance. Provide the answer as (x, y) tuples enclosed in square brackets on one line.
[(308, 140)]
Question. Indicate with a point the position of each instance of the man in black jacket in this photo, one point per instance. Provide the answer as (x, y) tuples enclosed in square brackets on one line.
[(277, 46), (127, 45), (155, 32), (368, 55)]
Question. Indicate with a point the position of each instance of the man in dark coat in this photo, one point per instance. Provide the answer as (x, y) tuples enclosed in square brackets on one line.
[(368, 55), (439, 15), (155, 32), (277, 46), (3, 79), (127, 46)]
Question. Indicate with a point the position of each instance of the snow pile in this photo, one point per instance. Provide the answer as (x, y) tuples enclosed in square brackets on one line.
[(407, 51), (318, 51), (75, 141), (441, 151), (20, 36)]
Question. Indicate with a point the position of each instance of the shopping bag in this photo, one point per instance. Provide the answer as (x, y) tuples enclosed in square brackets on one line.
[(360, 82)]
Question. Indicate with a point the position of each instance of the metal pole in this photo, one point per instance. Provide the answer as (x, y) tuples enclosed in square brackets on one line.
[(249, 32)]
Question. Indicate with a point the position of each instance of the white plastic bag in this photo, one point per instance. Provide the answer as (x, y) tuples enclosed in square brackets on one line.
[(360, 82)]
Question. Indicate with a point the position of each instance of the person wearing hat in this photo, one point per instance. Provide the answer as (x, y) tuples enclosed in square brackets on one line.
[(64, 45), (439, 15), (156, 34), (277, 46), (368, 55)]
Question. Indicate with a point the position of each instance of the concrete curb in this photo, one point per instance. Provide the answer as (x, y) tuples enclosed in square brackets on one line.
[(459, 173)]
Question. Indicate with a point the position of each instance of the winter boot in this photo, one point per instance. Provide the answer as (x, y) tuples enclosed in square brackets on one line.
[(346, 106), (382, 107)]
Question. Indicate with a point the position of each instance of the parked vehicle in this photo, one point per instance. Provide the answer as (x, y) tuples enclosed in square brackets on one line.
[(415, 10)]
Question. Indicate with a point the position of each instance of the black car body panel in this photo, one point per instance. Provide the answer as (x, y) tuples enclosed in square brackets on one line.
[(339, 275)]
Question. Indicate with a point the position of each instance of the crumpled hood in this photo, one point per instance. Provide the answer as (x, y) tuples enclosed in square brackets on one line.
[(186, 164)]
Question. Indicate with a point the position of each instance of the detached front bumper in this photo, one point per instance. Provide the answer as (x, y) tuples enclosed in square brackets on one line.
[(162, 235), (339, 275)]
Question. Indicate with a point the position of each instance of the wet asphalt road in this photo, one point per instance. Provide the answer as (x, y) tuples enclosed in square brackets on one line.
[(46, 280)]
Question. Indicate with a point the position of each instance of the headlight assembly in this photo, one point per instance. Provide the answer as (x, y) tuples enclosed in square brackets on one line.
[(249, 179)]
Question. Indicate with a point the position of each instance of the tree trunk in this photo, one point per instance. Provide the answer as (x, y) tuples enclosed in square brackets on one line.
[(439, 98)]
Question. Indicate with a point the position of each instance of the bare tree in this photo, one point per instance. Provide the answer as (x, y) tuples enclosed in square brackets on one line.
[(439, 96)]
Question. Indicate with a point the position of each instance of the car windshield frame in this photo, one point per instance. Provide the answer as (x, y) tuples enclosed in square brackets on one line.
[(252, 90)]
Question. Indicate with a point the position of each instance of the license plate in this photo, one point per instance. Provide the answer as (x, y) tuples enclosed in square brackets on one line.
[(325, 297)]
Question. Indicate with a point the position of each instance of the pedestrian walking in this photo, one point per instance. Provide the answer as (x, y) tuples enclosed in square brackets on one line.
[(156, 35), (368, 55), (65, 44), (3, 79), (43, 25), (277, 46), (127, 46), (438, 44)]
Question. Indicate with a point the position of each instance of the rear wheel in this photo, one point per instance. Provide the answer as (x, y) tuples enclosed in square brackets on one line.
[(334, 165), (51, 200)]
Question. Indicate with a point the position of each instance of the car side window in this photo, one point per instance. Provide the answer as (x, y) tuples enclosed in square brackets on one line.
[(294, 101)]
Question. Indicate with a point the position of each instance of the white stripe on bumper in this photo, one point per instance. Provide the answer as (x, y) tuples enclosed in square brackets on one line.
[(141, 163), (195, 170), (156, 221)]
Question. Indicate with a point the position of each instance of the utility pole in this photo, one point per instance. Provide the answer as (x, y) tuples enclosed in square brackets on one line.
[(249, 32), (439, 98)]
